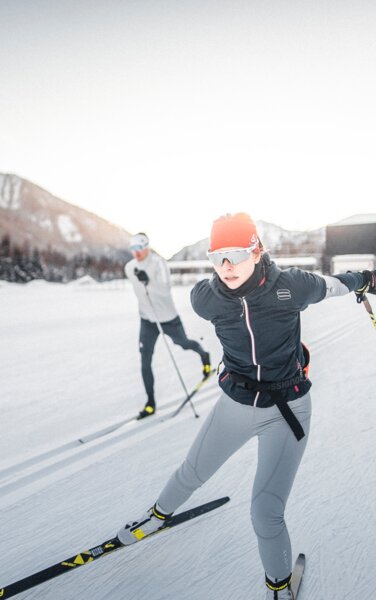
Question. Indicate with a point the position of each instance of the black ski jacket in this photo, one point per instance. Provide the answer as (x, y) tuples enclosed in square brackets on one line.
[(260, 331)]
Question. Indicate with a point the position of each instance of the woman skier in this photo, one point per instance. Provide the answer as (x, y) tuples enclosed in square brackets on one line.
[(255, 309)]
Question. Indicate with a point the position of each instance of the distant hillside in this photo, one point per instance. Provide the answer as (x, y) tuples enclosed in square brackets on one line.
[(279, 241), (42, 236), (31, 215)]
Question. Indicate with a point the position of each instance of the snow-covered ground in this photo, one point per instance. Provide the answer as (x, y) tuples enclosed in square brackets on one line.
[(69, 366)]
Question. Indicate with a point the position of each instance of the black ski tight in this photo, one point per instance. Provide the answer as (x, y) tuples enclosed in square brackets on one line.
[(148, 336)]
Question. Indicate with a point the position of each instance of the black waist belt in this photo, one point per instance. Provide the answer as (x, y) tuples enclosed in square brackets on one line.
[(274, 388)]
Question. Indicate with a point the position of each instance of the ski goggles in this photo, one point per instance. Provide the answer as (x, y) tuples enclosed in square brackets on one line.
[(233, 256), (138, 242)]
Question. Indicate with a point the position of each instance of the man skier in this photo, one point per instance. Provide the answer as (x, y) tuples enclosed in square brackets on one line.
[(150, 277)]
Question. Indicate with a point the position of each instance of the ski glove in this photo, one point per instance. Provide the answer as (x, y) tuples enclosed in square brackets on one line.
[(142, 276), (369, 285)]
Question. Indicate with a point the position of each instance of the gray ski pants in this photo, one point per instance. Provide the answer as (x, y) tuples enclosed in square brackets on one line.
[(229, 426)]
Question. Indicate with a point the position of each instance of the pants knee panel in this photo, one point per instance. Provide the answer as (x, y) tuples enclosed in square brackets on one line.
[(267, 514)]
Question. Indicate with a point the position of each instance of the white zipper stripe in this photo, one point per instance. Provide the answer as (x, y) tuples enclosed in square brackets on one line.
[(246, 312), (250, 332)]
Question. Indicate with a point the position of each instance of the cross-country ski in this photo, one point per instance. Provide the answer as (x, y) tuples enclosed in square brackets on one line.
[(88, 556), (297, 575)]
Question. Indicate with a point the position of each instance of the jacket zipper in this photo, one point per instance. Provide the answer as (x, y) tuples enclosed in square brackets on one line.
[(253, 343)]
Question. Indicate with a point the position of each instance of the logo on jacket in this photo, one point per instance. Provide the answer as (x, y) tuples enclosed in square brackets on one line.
[(284, 294)]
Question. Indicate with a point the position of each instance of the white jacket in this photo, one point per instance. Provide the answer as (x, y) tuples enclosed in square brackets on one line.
[(159, 288)]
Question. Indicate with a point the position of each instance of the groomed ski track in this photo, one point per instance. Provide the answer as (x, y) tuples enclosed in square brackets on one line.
[(58, 496)]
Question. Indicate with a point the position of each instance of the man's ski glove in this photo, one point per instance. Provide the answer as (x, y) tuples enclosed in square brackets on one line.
[(369, 285), (142, 276)]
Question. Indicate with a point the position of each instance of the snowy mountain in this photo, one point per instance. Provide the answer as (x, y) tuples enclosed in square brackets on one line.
[(277, 240), (31, 216)]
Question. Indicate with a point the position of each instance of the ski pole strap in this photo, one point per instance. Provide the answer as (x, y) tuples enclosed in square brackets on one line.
[(368, 308), (274, 388)]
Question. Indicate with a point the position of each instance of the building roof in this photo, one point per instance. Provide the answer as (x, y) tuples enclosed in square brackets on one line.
[(359, 219)]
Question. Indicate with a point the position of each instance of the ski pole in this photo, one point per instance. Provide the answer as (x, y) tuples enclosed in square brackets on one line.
[(368, 307), (188, 399)]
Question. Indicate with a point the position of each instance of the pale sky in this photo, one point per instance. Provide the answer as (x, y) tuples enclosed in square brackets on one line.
[(161, 115)]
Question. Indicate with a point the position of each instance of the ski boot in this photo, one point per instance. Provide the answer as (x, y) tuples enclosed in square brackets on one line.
[(151, 522), (206, 366), (278, 589), (148, 410)]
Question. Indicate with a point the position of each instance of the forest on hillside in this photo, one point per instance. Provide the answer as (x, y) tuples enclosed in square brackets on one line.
[(23, 264)]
